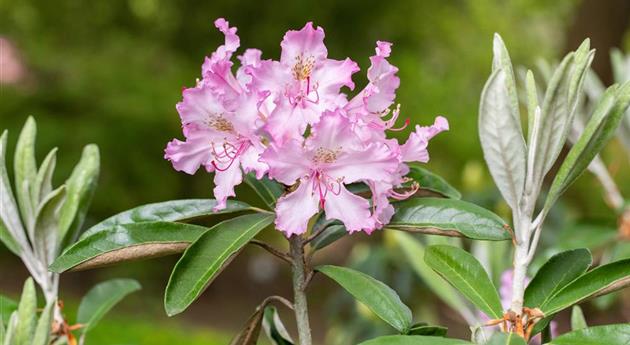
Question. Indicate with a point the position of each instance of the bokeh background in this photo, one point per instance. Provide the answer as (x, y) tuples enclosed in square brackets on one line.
[(111, 72)]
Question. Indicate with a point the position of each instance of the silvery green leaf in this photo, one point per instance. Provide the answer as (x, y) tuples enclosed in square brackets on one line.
[(8, 338), (501, 138), (44, 324), (43, 181), (532, 103), (577, 318), (274, 328), (501, 60), (27, 312), (45, 241), (80, 189), (25, 169), (11, 229)]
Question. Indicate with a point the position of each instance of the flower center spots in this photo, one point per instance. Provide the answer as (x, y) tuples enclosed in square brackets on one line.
[(324, 155), (303, 67), (220, 123)]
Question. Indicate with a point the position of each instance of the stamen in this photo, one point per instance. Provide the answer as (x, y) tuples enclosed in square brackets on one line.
[(404, 195), (407, 121), (231, 157)]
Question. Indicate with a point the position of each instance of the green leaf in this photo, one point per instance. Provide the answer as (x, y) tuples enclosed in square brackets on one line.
[(25, 168), (208, 256), (101, 299), (599, 130), (127, 242), (8, 338), (170, 211), (413, 340), (600, 335), (80, 188), (268, 190), (27, 314), (427, 330), (43, 182), (44, 325), (467, 275), (378, 297), (11, 230), (555, 274), (577, 318), (251, 331), (450, 217), (506, 339), (432, 182), (274, 328), (331, 234), (603, 279), (7, 307), (532, 103), (592, 236), (414, 251), (45, 238)]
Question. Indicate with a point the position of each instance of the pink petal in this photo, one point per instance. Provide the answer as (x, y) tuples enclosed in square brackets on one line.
[(332, 75), (287, 163), (307, 42), (232, 41), (352, 210), (198, 105), (288, 122), (250, 161), (188, 156), (375, 162), (224, 183), (295, 209), (415, 148)]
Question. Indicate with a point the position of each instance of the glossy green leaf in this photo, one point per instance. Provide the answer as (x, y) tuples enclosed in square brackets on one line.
[(27, 314), (374, 294), (127, 242), (560, 270), (208, 256), (599, 130), (414, 251), (577, 318), (80, 187), (467, 275), (25, 168), (449, 217), (605, 278), (330, 234), (506, 339), (274, 328), (427, 330), (11, 230), (43, 182), (7, 307), (101, 299), (45, 239), (413, 340), (268, 190), (44, 325), (170, 211), (432, 182), (600, 335)]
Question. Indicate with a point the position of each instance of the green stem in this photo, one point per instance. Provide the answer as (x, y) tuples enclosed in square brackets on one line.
[(299, 285)]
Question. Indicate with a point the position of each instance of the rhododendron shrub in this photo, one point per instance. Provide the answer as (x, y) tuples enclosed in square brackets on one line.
[(321, 156)]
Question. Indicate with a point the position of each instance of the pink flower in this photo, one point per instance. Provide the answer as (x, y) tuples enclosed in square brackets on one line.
[(323, 164)]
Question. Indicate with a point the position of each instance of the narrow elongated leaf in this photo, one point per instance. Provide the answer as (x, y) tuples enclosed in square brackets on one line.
[(101, 299), (506, 339), (413, 340), (11, 230), (600, 335), (532, 104), (414, 251), (502, 138), (577, 318), (432, 182), (80, 189), (251, 331), (27, 312), (427, 330), (207, 257), (378, 297), (331, 234), (25, 168), (269, 191), (603, 278), (555, 274), (7, 307), (44, 325), (274, 328), (45, 238), (9, 337), (467, 275), (599, 130), (171, 211), (43, 181), (450, 217), (127, 242)]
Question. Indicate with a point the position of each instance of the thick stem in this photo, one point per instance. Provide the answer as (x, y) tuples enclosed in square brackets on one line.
[(521, 262), (299, 285)]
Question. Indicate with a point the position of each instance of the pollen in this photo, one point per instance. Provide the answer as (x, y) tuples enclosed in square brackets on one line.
[(324, 155), (220, 123), (303, 67)]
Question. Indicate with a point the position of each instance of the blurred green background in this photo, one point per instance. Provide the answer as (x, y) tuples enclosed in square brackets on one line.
[(111, 72)]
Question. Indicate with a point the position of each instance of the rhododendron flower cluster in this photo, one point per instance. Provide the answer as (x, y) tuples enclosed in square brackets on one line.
[(291, 121)]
